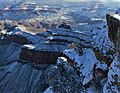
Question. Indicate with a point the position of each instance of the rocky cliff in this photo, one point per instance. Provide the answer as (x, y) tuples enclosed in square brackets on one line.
[(61, 60), (113, 83)]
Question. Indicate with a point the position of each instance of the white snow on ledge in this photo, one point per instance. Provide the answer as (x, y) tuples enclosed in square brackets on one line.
[(32, 38), (116, 16), (29, 46)]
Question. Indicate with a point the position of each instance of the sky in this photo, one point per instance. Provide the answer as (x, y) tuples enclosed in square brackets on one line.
[(90, 0), (56, 1), (64, 0)]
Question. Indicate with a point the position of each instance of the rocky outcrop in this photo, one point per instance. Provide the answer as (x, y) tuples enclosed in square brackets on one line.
[(71, 36), (101, 44), (44, 54), (81, 63), (63, 78), (64, 25), (113, 27), (57, 41), (113, 83), (90, 55), (16, 77), (14, 39), (19, 37), (114, 30)]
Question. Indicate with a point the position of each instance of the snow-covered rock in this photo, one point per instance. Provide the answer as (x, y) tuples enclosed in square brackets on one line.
[(101, 39), (49, 90), (85, 63), (30, 37), (20, 37), (70, 36), (102, 45), (76, 57), (113, 83), (102, 66)]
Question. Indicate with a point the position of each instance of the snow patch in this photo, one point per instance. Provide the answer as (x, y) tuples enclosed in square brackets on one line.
[(49, 90)]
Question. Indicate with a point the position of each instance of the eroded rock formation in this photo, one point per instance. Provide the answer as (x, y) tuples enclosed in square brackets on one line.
[(61, 60)]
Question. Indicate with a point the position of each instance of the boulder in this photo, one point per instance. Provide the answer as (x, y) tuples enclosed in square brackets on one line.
[(65, 25)]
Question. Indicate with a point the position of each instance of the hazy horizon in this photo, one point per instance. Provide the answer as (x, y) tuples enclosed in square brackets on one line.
[(60, 0)]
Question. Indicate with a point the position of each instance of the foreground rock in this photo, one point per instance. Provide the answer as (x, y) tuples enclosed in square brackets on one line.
[(113, 83), (63, 78), (114, 30), (102, 46), (81, 63)]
